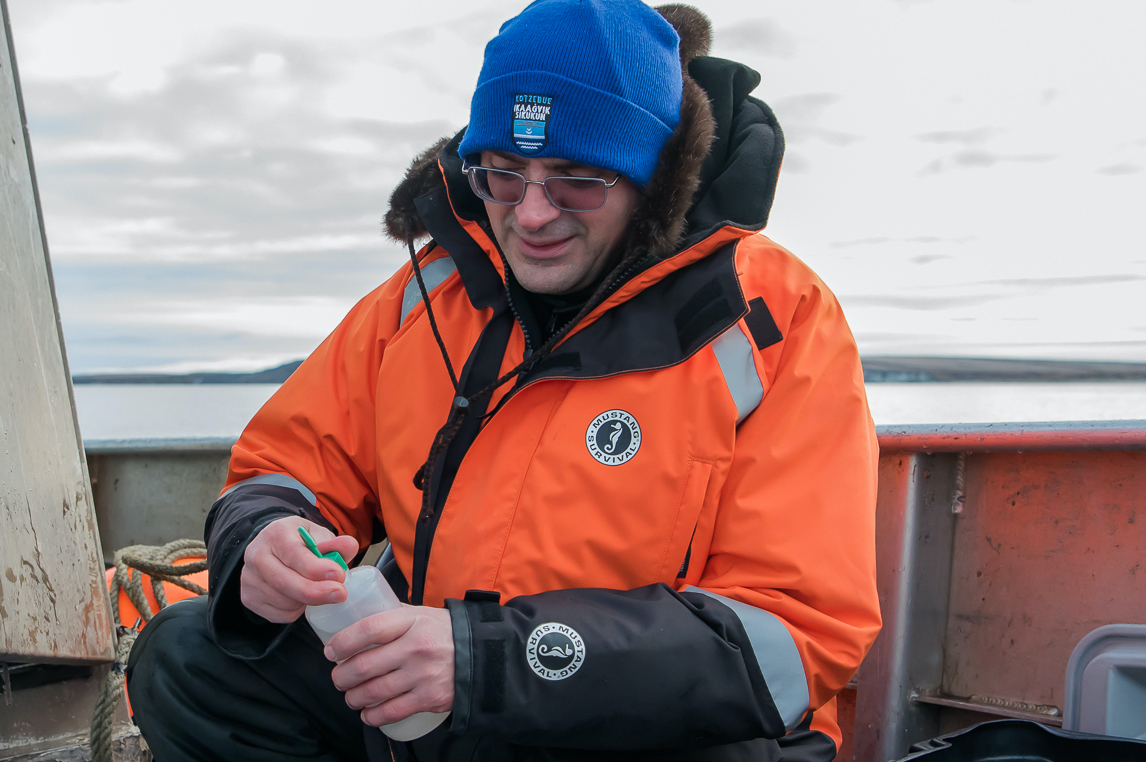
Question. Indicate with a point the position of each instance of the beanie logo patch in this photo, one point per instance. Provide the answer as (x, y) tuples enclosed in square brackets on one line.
[(531, 122)]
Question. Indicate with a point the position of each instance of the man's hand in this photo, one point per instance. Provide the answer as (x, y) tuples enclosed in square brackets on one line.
[(410, 671), (281, 577)]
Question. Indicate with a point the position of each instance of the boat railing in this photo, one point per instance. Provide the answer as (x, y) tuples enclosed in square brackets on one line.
[(999, 546)]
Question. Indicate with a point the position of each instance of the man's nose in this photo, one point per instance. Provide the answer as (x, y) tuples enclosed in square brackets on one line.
[(535, 211)]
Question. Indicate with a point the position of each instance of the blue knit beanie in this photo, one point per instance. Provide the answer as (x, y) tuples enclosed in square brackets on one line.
[(597, 82)]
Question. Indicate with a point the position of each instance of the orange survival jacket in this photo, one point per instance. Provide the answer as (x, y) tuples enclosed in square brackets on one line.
[(732, 502)]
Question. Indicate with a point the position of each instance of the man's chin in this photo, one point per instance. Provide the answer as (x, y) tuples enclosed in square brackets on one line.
[(545, 276), (542, 285)]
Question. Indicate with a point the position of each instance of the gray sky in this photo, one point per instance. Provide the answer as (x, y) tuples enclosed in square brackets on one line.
[(968, 176)]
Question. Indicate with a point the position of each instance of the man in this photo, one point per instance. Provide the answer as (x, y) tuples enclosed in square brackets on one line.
[(617, 439)]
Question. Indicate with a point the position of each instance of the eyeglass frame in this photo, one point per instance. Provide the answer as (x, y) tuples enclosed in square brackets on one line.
[(467, 169)]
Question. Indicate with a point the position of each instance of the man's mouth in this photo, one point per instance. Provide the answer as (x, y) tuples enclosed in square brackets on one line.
[(543, 249)]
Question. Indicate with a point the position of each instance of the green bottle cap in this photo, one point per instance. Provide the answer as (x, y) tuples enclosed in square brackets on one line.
[(310, 543)]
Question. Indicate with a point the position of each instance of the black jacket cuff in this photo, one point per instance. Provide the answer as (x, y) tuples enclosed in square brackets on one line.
[(231, 525)]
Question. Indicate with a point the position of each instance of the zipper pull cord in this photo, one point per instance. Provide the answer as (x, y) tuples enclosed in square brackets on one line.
[(458, 408), (430, 314)]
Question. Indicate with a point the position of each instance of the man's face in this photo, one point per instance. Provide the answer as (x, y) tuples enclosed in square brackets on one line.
[(552, 251)]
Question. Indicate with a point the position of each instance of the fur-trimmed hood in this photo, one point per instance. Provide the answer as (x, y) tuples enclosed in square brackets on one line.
[(719, 167)]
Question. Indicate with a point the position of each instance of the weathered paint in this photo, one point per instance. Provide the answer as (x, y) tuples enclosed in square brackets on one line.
[(53, 606), (1049, 546), (982, 608)]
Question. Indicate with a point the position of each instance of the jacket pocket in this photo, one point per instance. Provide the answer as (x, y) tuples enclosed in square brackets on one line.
[(687, 512)]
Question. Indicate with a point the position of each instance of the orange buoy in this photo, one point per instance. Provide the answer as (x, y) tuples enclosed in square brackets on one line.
[(129, 615)]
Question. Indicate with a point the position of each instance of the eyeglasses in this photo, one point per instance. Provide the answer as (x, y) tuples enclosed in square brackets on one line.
[(570, 194)]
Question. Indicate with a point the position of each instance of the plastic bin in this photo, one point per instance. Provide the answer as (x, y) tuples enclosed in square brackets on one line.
[(1106, 682), (1025, 741)]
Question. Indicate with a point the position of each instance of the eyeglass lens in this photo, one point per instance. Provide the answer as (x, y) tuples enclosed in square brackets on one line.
[(573, 194)]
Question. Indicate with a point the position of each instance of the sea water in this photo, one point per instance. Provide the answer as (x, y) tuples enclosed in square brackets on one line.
[(144, 411)]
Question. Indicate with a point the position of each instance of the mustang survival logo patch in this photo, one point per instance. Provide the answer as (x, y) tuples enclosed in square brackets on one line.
[(613, 437), (531, 122), (554, 651)]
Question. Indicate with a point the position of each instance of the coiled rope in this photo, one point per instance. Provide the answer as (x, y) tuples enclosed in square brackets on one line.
[(131, 563)]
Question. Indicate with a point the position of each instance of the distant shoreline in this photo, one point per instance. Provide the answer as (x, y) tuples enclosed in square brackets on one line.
[(274, 375), (875, 370), (949, 369)]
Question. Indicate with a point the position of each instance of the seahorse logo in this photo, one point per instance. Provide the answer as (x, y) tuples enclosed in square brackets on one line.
[(613, 437), (617, 428)]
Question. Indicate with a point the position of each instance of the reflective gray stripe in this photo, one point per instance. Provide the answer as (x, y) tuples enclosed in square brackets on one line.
[(777, 655), (386, 557), (734, 353), (434, 274), (278, 480)]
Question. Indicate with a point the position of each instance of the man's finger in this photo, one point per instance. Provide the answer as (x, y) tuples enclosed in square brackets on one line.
[(294, 554), (258, 597), (277, 615), (380, 689), (364, 665), (394, 710), (262, 595), (375, 630), (345, 545), (288, 582)]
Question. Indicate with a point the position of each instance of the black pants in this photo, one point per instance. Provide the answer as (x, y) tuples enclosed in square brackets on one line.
[(194, 702)]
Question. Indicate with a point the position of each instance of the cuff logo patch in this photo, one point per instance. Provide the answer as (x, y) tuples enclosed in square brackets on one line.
[(554, 651), (613, 437)]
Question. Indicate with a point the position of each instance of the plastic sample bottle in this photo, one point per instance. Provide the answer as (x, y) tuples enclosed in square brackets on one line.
[(367, 593)]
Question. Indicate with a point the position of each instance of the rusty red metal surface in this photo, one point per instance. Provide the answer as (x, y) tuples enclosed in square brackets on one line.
[(1026, 437), (1049, 546)]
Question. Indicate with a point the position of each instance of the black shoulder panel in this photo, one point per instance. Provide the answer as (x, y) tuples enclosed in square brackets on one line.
[(660, 327), (761, 325), (705, 309)]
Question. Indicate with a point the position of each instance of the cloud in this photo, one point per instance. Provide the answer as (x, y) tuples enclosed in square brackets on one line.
[(795, 163), (806, 107), (864, 338), (1122, 168), (831, 137), (966, 137), (978, 159), (924, 303), (800, 115), (54, 151), (882, 240), (232, 158), (302, 317), (755, 35), (874, 241), (1073, 281)]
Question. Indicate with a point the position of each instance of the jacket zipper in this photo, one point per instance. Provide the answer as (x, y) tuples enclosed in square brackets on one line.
[(481, 367), (424, 531)]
